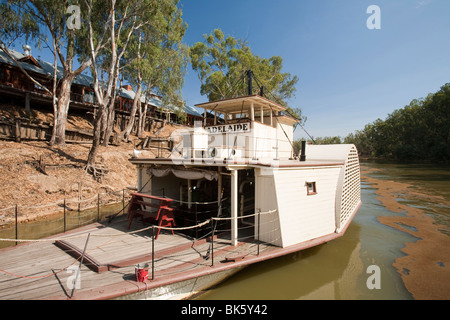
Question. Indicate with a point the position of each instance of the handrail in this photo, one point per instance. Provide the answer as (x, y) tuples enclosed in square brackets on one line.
[(143, 229)]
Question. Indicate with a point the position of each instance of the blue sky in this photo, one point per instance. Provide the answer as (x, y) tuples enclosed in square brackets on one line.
[(348, 75)]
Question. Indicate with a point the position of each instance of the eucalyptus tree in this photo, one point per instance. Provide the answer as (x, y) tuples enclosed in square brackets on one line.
[(418, 131), (124, 21), (119, 20), (156, 62), (222, 61), (36, 19), (15, 26)]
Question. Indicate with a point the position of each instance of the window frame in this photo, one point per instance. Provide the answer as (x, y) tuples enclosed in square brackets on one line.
[(311, 185)]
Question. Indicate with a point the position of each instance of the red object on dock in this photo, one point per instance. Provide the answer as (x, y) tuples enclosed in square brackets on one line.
[(142, 204), (141, 273)]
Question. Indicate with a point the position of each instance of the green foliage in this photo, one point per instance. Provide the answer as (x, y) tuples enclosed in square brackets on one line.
[(326, 140), (16, 23), (419, 131), (156, 58), (297, 144), (221, 63)]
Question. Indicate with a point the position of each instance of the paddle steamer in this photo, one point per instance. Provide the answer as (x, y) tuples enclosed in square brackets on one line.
[(244, 166), (232, 193)]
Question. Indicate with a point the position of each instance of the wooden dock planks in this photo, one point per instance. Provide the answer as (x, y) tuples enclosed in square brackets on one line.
[(39, 270)]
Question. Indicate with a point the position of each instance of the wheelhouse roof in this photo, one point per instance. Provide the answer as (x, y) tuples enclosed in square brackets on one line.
[(235, 105)]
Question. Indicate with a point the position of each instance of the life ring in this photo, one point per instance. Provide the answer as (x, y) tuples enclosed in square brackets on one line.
[(212, 152)]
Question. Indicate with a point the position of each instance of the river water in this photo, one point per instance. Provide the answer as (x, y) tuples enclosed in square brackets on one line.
[(395, 248)]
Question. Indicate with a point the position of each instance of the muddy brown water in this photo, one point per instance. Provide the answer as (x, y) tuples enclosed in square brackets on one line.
[(54, 224)]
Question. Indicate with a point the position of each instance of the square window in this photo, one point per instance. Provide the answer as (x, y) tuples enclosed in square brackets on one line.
[(311, 188)]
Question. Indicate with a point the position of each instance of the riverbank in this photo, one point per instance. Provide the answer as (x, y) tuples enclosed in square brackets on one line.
[(25, 184), (425, 267)]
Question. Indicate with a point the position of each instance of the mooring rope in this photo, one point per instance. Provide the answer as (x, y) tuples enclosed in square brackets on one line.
[(61, 202), (137, 231), (111, 236)]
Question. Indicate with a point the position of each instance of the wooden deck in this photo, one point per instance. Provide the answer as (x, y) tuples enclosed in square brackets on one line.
[(41, 270)]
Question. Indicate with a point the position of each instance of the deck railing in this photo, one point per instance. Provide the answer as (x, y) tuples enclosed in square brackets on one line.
[(219, 227), (30, 222), (253, 148)]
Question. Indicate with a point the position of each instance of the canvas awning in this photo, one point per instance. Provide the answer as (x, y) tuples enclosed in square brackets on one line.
[(188, 174)]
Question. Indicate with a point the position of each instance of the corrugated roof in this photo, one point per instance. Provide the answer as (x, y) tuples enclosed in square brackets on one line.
[(82, 79), (47, 68), (192, 111)]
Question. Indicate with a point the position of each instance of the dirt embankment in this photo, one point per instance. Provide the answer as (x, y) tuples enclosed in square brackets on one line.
[(23, 183)]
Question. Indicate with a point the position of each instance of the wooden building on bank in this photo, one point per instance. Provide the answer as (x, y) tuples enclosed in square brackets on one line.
[(17, 88)]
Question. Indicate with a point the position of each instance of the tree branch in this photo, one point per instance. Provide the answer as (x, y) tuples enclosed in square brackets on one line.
[(3, 47)]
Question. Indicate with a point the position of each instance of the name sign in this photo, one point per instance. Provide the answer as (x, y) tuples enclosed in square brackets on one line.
[(229, 128)]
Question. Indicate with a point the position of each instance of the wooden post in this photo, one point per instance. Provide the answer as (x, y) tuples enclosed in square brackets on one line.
[(79, 196), (262, 114), (153, 252), (17, 232), (123, 199), (234, 206), (204, 118), (259, 214), (212, 242), (18, 137), (196, 220), (98, 207), (219, 185), (189, 194), (64, 214), (27, 104)]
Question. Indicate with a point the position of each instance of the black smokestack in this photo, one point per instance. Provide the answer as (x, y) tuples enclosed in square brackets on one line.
[(303, 155), (249, 82)]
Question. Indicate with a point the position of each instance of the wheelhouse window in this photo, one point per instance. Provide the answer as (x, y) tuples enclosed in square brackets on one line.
[(311, 188)]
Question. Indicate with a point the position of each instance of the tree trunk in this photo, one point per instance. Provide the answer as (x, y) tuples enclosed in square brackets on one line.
[(60, 117), (141, 123), (137, 101), (109, 124), (96, 138)]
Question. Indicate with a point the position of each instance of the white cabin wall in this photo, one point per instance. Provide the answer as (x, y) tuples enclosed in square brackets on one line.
[(265, 201), (260, 143), (304, 217), (263, 142), (285, 135), (227, 141), (349, 189)]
